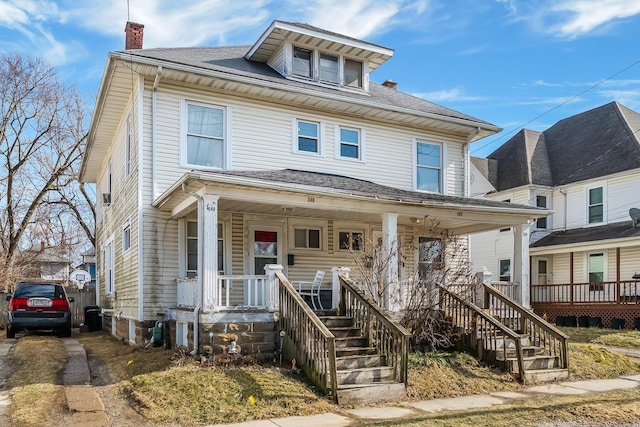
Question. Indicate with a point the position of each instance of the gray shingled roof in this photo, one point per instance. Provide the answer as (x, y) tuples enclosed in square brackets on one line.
[(362, 187), (596, 143), (618, 230), (231, 60), (488, 168)]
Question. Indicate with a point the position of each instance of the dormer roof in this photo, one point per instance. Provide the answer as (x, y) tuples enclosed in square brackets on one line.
[(308, 35)]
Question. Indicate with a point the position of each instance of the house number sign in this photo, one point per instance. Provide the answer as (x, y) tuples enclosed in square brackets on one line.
[(211, 207)]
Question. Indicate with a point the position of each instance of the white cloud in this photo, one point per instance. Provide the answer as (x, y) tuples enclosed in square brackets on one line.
[(587, 15), (447, 95)]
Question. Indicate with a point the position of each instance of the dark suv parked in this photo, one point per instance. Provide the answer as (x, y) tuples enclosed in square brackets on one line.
[(36, 306)]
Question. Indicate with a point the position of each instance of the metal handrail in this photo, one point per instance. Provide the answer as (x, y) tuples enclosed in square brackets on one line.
[(313, 344)]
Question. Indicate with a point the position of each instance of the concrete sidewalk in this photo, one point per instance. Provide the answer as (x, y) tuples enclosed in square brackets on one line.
[(408, 410)]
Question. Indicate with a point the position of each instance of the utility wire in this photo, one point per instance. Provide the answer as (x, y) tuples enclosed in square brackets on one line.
[(558, 106)]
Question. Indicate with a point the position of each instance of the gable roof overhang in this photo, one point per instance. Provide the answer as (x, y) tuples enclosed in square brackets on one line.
[(616, 235), (279, 32), (308, 194), (123, 68)]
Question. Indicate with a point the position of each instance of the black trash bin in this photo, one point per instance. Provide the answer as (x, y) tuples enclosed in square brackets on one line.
[(92, 318)]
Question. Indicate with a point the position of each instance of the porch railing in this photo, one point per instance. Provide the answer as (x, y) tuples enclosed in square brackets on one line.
[(232, 291), (510, 289), (622, 292), (541, 334), (308, 340), (481, 332), (387, 336)]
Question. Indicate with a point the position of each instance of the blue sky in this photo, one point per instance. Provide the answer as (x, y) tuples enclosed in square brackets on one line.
[(509, 62)]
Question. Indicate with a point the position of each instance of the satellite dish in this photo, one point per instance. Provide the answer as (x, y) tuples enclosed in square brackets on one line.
[(634, 213)]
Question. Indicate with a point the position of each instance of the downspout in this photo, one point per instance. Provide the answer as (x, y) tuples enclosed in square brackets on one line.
[(564, 225), (196, 310), (465, 162), (154, 101)]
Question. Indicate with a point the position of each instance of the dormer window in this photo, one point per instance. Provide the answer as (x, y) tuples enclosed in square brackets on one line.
[(324, 67), (329, 69), (302, 62)]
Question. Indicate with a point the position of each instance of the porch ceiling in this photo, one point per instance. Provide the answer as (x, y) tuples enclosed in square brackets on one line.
[(253, 196)]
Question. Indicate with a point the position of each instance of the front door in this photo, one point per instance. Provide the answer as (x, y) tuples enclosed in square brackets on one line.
[(265, 247)]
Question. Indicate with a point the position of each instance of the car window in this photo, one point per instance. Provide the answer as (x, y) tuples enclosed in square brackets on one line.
[(28, 290)]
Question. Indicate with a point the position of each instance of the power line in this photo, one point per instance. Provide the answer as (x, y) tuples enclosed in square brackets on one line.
[(558, 106)]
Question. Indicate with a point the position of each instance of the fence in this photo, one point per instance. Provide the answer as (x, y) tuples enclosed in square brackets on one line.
[(81, 299)]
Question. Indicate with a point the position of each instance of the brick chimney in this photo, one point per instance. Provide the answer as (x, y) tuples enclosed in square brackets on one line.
[(390, 84), (133, 35), (41, 246)]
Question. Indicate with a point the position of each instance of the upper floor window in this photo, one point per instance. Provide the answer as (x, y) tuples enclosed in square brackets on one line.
[(350, 144), (352, 73), (429, 167), (596, 205), (329, 69), (204, 142), (308, 137), (541, 202), (302, 62), (127, 149)]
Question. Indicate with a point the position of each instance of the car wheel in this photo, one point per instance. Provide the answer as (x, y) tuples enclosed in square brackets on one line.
[(11, 333)]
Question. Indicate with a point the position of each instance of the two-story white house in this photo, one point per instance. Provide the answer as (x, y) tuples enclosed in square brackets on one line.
[(585, 257), (212, 163)]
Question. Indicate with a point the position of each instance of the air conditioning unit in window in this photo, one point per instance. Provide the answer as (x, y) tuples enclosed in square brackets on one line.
[(106, 199)]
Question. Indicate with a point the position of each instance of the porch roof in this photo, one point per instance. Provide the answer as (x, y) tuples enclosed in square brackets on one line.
[(619, 232), (342, 194)]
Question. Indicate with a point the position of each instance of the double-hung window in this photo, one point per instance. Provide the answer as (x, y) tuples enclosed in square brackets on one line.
[(596, 205), (127, 149), (505, 270), (109, 268), (329, 69), (205, 136), (541, 202), (192, 248), (308, 137), (302, 62), (349, 143), (429, 167), (429, 255), (126, 236), (596, 271)]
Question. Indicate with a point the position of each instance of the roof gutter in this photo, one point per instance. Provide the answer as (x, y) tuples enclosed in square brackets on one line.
[(303, 91)]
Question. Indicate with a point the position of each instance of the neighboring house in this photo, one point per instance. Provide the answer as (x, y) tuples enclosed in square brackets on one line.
[(585, 257), (89, 265), (48, 263), (214, 163)]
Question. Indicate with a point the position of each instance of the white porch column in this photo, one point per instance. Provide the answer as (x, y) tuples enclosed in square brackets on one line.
[(390, 257), (272, 285), (208, 242), (335, 285), (521, 262)]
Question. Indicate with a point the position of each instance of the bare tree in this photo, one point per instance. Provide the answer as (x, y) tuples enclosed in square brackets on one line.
[(436, 258), (42, 135)]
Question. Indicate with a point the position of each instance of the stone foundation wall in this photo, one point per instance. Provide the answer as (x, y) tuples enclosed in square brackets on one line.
[(256, 339)]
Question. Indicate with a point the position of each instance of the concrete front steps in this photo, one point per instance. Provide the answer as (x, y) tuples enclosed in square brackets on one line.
[(362, 375)]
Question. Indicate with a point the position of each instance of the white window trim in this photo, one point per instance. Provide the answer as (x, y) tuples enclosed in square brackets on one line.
[(321, 225), (361, 144), (443, 164), (227, 115), (602, 184), (294, 138), (510, 269), (605, 264), (348, 229), (125, 225), (548, 207), (225, 220), (109, 287)]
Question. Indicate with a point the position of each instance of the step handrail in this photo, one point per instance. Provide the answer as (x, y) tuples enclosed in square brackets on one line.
[(389, 337), (554, 341), (483, 339), (312, 343)]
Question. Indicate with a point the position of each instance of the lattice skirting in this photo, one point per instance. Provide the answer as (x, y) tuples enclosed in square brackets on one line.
[(617, 317)]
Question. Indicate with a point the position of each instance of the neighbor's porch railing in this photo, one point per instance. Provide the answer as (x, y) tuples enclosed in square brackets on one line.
[(622, 292), (231, 291), (307, 339), (388, 337)]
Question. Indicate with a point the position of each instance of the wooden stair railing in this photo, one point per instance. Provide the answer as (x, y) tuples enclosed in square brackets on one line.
[(518, 318), (486, 334), (307, 339), (390, 339)]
